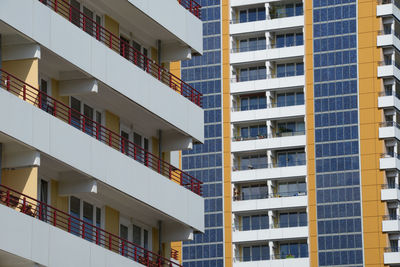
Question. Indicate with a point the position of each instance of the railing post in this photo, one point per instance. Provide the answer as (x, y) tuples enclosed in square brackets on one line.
[(23, 205), (97, 32), (83, 230), (54, 218), (69, 224), (135, 58), (70, 13), (159, 166), (55, 109), (159, 262), (134, 152), (69, 116), (181, 178), (55, 5), (97, 131), (40, 211), (24, 92), (8, 198), (110, 40), (109, 139), (123, 145), (40, 100), (123, 248), (83, 124), (109, 242), (135, 253), (84, 23), (169, 172), (159, 73), (97, 236), (146, 158), (8, 82)]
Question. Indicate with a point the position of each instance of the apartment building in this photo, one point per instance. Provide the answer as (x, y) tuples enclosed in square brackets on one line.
[(310, 95), (92, 119)]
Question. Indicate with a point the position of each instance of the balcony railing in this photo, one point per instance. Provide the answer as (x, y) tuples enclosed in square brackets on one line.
[(271, 195), (270, 165), (63, 8), (278, 225), (264, 136), (392, 249), (272, 257), (389, 93), (385, 2), (192, 6), (390, 155), (264, 106), (78, 227), (391, 217), (174, 254), (390, 186), (389, 124), (81, 122)]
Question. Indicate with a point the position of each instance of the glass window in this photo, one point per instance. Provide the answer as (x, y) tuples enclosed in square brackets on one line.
[(262, 73), (75, 112), (299, 39), (243, 46), (289, 8), (290, 39), (252, 14), (290, 69), (256, 253), (299, 9), (136, 235), (290, 99), (75, 210), (246, 223), (244, 75), (244, 103), (243, 16), (246, 254), (261, 13), (280, 70), (280, 41), (299, 69)]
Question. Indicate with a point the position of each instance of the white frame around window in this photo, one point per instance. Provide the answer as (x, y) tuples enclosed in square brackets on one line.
[(94, 109), (130, 222)]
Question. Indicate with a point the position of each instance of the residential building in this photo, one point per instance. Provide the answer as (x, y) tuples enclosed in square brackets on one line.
[(92, 122)]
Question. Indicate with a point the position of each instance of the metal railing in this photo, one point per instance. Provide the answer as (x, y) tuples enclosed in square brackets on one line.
[(78, 227), (63, 112), (269, 105), (270, 165), (389, 93), (391, 217), (385, 2), (269, 257), (277, 225), (392, 249), (389, 124), (192, 6), (64, 9), (271, 135), (390, 186), (390, 155), (270, 195)]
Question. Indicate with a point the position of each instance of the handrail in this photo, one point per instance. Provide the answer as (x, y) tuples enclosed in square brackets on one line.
[(63, 112), (270, 195), (63, 8), (270, 165), (192, 6), (267, 136), (46, 213)]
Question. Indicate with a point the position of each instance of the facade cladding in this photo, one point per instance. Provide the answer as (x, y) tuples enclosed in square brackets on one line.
[(205, 160), (337, 133)]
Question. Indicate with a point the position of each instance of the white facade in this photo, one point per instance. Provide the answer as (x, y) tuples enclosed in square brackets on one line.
[(89, 152), (268, 134)]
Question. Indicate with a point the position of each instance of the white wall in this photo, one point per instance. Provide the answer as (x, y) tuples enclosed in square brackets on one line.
[(47, 245), (51, 30), (59, 140)]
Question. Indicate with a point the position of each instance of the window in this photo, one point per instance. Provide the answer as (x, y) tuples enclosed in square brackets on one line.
[(289, 39), (252, 14), (287, 10), (253, 102), (255, 222), (44, 198), (292, 158), (136, 235), (75, 112), (292, 219), (254, 192), (293, 250), (287, 189), (89, 115), (253, 162), (290, 99), (252, 132), (290, 128), (256, 253), (290, 69), (252, 73), (125, 142), (252, 44), (89, 214), (123, 232)]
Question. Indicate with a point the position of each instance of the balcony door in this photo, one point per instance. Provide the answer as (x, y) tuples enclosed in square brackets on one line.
[(44, 200)]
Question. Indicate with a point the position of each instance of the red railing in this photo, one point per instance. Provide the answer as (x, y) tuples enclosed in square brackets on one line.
[(192, 6), (78, 227), (96, 130), (122, 47), (174, 254)]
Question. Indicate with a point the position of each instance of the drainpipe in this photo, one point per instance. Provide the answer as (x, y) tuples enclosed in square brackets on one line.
[(159, 238), (159, 144), (159, 51)]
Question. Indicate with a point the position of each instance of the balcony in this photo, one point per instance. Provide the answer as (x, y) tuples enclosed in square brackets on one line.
[(270, 202), (266, 84), (261, 53), (390, 224), (272, 112), (275, 232), (391, 256), (388, 39), (274, 261), (390, 192), (388, 69), (50, 226), (270, 141), (127, 51), (389, 129), (388, 99), (192, 6), (388, 7), (389, 161), (97, 131)]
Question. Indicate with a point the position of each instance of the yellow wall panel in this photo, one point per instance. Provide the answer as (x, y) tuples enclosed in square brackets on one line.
[(23, 180), (57, 201)]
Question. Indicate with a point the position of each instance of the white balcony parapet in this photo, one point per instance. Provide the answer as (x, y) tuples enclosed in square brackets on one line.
[(267, 84), (299, 201), (270, 234)]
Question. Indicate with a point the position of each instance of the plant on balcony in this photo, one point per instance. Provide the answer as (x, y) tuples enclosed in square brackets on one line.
[(290, 256)]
